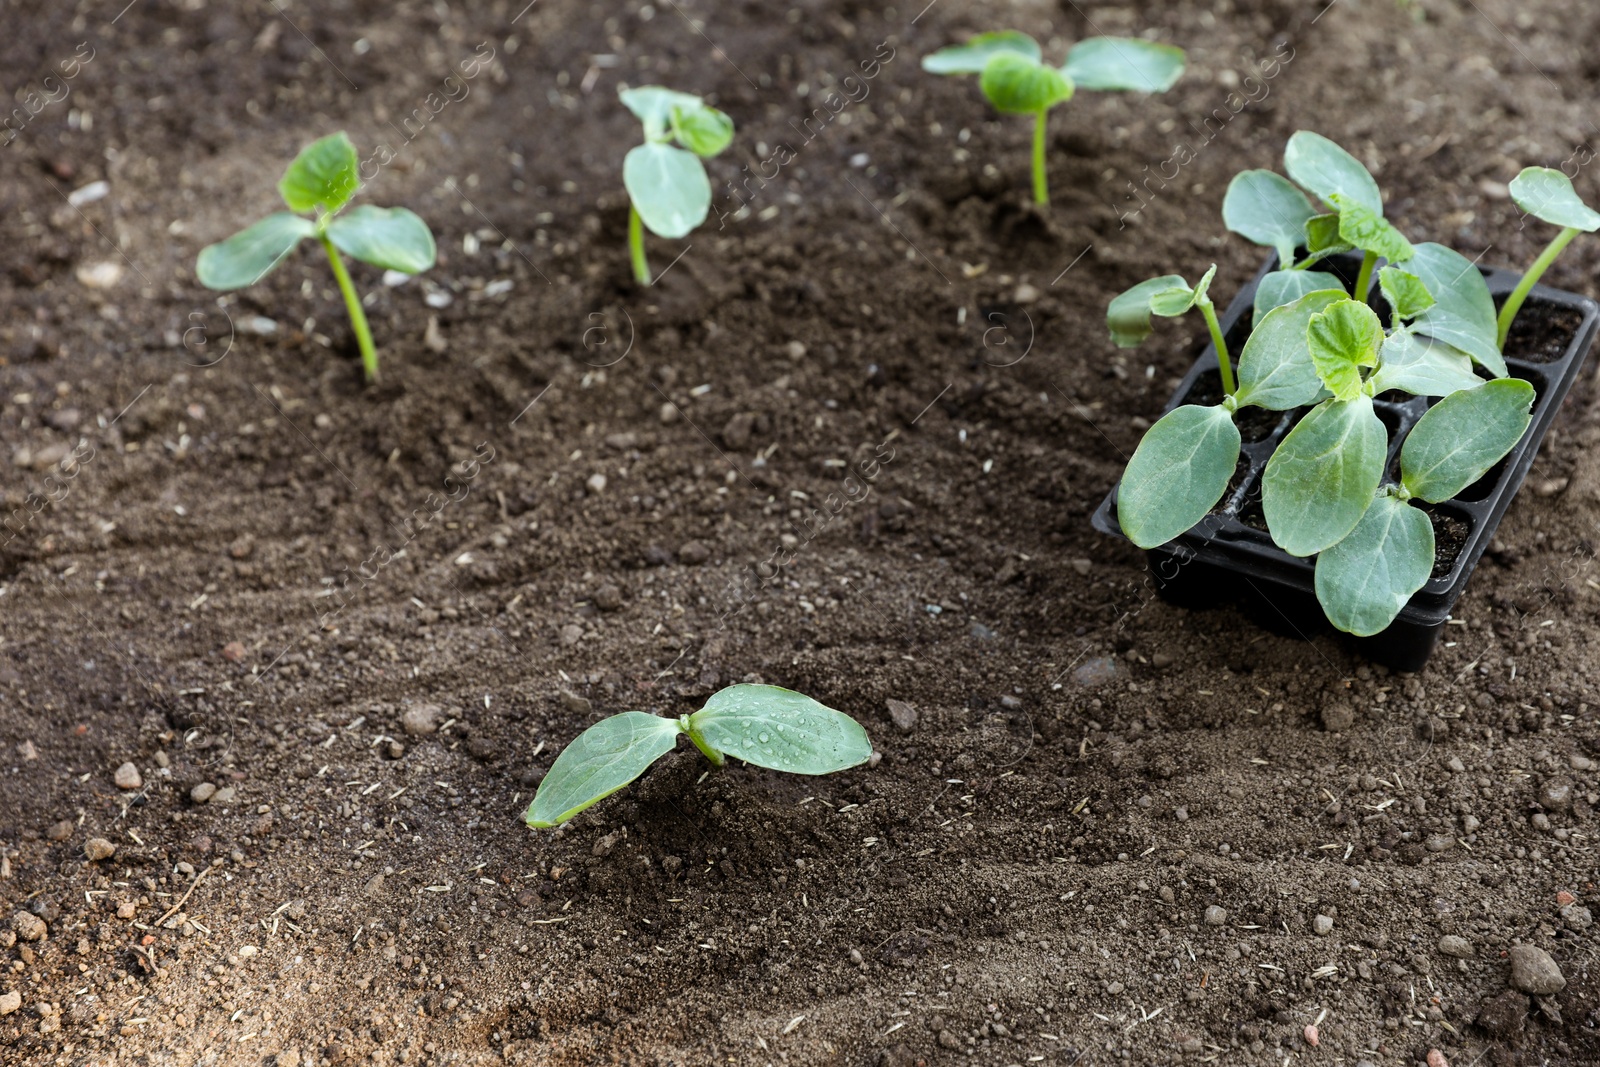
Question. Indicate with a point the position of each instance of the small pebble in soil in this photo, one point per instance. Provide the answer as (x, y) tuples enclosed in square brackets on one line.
[(571, 634), (1533, 971), (60, 831), (1455, 945), (1338, 717), (596, 483), (1577, 916), (668, 413), (27, 752), (1216, 915), (233, 651), (421, 720), (693, 553), (29, 926), (1556, 794), (575, 703), (903, 715), (98, 848), (1436, 1058), (127, 776), (1313, 1037), (608, 597), (1322, 925), (202, 792), (1095, 672)]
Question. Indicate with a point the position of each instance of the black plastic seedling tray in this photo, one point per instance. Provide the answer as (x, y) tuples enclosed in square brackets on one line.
[(1230, 558)]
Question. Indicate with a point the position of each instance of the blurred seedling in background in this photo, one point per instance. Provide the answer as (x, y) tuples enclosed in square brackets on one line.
[(760, 724), (668, 191), (321, 181), (1547, 195), (1016, 80)]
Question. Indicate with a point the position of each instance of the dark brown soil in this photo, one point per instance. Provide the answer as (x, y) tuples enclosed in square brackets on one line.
[(1541, 332), (252, 566)]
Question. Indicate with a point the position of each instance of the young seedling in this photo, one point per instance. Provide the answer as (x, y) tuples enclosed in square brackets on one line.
[(1016, 80), (760, 724), (668, 190), (1314, 345), (1546, 195), (321, 181)]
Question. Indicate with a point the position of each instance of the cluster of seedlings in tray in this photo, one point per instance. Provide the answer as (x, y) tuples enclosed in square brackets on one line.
[(1316, 345)]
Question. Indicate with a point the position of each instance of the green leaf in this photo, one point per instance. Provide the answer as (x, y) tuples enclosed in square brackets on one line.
[(1422, 366), (1320, 480), (1322, 236), (1286, 286), (1317, 164), (1463, 313), (1128, 314), (702, 129), (1275, 368), (1548, 195), (668, 187), (1343, 339), (1178, 473), (248, 255), (780, 729), (323, 176), (1408, 297), (653, 104), (600, 761), (1462, 436), (1364, 580), (1363, 228), (1266, 208), (972, 57), (1123, 63), (393, 238), (1016, 85), (1170, 303)]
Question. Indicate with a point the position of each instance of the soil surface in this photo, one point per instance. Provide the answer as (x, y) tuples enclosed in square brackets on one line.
[(285, 656)]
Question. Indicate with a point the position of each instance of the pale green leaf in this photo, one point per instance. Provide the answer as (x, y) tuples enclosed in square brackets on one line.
[(1343, 339), (393, 238), (600, 761), (248, 255), (780, 729), (1128, 314), (1463, 314), (1321, 479), (653, 104), (1422, 366), (1178, 473), (1548, 195), (972, 57), (1363, 228), (1286, 286), (1275, 368), (1016, 85), (668, 187), (1317, 164), (1266, 208), (1462, 436), (324, 176), (1123, 63), (1363, 581), (702, 129), (1408, 297)]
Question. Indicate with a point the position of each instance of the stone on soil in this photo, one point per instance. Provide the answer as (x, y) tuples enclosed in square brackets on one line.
[(1533, 971), (127, 776)]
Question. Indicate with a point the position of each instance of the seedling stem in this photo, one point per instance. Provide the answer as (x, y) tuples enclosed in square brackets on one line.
[(641, 267), (1041, 185), (1513, 304), (1364, 279), (352, 303), (1224, 363), (716, 758)]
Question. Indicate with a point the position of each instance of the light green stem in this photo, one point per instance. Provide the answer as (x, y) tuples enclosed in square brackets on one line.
[(1224, 362), (1041, 184), (352, 304), (1513, 304), (641, 268), (1364, 279), (717, 759)]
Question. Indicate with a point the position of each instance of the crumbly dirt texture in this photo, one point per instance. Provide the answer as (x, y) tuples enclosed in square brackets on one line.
[(847, 443)]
